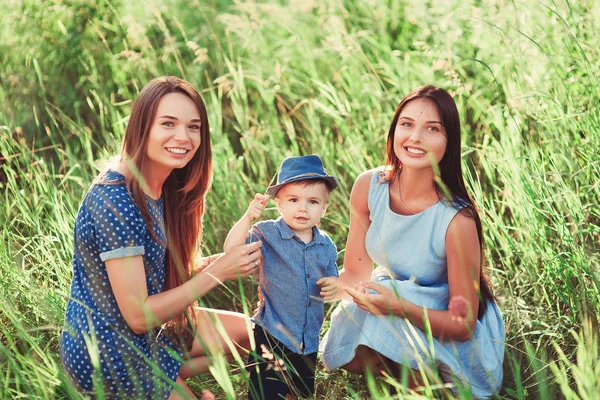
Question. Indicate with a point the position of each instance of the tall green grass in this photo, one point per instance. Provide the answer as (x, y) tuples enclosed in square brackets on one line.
[(295, 77)]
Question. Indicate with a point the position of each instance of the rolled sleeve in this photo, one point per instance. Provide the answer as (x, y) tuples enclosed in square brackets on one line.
[(122, 252)]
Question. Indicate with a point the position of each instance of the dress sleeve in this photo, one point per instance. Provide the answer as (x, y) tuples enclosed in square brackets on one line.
[(118, 224)]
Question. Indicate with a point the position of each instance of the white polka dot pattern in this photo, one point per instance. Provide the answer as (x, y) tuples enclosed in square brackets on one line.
[(98, 349)]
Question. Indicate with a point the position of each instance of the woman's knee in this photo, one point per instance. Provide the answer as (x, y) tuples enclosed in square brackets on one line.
[(237, 327), (216, 329), (367, 359), (355, 366), (364, 358)]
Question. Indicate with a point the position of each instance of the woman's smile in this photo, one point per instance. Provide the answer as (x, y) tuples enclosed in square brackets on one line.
[(415, 151), (177, 150)]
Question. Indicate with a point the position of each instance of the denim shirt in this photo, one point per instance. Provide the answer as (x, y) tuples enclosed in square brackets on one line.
[(293, 309)]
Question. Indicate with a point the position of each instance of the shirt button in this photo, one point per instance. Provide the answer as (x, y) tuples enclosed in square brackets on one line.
[(308, 275), (318, 257), (309, 303)]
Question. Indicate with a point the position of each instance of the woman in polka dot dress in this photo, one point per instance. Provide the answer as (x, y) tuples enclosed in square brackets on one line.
[(131, 330)]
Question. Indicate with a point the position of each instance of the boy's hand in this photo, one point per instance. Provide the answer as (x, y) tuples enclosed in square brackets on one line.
[(329, 287), (202, 262), (257, 207), (260, 302)]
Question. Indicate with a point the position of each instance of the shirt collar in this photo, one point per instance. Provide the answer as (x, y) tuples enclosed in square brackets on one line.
[(287, 233)]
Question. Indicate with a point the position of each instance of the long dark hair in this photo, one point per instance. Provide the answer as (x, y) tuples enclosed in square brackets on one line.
[(450, 183), (184, 190)]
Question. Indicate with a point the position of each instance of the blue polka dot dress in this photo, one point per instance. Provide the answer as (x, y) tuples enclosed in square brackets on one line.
[(100, 352)]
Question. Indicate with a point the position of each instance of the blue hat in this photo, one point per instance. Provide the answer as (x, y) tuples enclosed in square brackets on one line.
[(294, 169)]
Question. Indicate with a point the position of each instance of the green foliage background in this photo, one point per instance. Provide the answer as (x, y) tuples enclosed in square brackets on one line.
[(295, 77)]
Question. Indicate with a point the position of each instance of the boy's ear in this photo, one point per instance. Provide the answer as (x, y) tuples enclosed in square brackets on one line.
[(324, 209)]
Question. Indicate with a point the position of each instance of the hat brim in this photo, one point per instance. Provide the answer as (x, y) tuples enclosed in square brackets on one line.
[(273, 190)]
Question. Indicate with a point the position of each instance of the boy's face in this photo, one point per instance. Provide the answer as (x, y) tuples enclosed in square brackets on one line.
[(301, 206)]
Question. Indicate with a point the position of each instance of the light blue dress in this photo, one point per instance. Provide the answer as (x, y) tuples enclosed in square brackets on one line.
[(411, 254)]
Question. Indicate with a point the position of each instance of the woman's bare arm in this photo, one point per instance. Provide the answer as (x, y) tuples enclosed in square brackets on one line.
[(142, 312), (358, 266)]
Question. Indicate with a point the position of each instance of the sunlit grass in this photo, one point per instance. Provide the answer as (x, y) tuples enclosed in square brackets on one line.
[(296, 77)]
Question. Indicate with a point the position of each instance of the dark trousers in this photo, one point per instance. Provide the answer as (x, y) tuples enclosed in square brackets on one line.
[(278, 371)]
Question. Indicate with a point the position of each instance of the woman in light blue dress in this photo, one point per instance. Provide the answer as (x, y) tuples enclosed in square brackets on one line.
[(428, 305)]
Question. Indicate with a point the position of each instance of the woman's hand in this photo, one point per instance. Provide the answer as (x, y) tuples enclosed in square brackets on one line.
[(329, 287), (384, 302), (239, 261), (256, 207)]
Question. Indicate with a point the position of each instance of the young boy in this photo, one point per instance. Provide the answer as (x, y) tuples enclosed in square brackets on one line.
[(296, 255)]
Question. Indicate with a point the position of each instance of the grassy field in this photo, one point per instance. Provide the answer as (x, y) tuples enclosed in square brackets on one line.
[(294, 77)]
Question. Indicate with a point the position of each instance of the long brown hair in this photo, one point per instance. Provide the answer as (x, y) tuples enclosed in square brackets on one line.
[(184, 190), (449, 166)]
